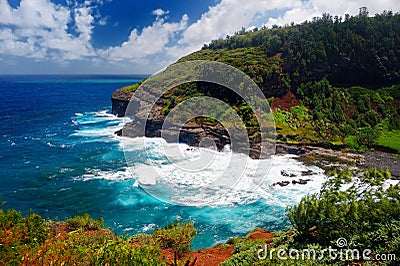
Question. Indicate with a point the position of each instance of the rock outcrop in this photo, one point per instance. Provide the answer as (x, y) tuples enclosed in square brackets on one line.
[(120, 100), (152, 124)]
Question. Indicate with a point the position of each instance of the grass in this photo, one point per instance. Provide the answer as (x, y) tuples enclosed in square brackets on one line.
[(131, 88), (85, 222), (390, 139)]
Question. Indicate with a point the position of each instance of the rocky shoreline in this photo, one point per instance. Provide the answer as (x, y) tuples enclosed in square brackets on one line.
[(193, 134)]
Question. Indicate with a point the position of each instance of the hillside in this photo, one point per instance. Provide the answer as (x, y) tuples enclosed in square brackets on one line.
[(329, 80), (355, 51)]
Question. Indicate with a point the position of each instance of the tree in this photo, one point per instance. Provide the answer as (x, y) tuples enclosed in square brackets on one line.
[(355, 208), (363, 12), (176, 236), (366, 136)]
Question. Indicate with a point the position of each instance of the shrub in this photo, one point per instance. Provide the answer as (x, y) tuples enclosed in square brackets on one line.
[(84, 222), (353, 213), (352, 143), (176, 236), (20, 234), (301, 112)]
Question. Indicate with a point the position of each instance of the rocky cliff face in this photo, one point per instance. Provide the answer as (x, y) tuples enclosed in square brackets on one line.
[(120, 100), (199, 134), (192, 133)]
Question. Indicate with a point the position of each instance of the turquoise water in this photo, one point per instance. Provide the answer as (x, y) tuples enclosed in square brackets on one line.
[(60, 157)]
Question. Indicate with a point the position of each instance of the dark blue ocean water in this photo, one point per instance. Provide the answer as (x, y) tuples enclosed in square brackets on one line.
[(59, 157)]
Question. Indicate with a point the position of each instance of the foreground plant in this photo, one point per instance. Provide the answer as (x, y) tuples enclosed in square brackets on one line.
[(81, 240)]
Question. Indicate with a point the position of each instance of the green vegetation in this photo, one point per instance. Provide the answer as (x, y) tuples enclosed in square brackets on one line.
[(360, 209), (82, 240), (390, 139), (351, 51), (177, 237), (133, 87), (84, 222), (343, 73), (355, 213), (358, 117)]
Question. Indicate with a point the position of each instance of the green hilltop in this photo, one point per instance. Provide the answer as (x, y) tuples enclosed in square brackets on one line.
[(330, 80)]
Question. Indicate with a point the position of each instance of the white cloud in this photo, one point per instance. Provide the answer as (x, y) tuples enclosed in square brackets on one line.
[(84, 22), (159, 12), (152, 40), (39, 29), (297, 14), (229, 16), (341, 7), (33, 13), (103, 21), (315, 8), (42, 30)]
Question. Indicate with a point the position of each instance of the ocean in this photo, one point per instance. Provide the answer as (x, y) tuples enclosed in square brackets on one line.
[(60, 157)]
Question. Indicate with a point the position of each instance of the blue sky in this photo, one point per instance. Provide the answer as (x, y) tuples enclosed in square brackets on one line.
[(137, 37)]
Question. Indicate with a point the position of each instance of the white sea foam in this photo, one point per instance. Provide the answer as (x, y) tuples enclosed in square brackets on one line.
[(193, 188), (116, 175), (148, 227), (99, 124), (50, 144), (167, 176), (169, 168)]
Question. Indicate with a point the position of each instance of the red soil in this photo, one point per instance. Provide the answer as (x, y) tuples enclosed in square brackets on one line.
[(285, 102), (210, 256), (259, 233), (214, 256)]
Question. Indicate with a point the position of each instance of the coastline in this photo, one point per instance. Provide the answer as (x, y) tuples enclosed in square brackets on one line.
[(192, 134)]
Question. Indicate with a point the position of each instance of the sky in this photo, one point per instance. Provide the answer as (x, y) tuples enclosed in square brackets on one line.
[(138, 37)]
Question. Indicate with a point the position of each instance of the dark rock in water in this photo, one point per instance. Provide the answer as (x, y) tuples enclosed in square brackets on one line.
[(118, 132), (289, 149), (120, 100), (306, 173), (301, 181), (287, 174), (281, 183), (294, 182)]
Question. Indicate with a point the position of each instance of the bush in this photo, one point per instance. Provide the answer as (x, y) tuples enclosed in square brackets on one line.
[(301, 112), (352, 143), (354, 213), (84, 222), (366, 136), (19, 234), (176, 236)]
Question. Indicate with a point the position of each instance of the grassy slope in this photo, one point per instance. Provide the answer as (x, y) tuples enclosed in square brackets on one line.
[(390, 139)]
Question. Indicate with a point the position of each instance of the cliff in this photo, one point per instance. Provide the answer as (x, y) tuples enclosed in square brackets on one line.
[(120, 100), (194, 132)]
